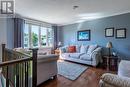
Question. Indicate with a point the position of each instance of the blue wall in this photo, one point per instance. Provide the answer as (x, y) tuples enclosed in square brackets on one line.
[(10, 33), (68, 33)]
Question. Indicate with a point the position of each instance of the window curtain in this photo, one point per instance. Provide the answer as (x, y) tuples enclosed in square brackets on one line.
[(55, 41), (18, 32)]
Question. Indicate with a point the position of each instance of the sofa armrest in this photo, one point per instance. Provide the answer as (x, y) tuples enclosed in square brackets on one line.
[(115, 80), (96, 54)]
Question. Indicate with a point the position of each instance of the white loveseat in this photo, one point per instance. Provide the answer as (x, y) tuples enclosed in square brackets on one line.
[(85, 54), (46, 67), (46, 64)]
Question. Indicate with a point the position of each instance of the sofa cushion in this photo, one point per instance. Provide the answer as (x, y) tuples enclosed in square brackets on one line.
[(86, 57), (72, 49), (65, 55), (78, 48), (75, 55), (83, 49), (91, 48), (63, 49)]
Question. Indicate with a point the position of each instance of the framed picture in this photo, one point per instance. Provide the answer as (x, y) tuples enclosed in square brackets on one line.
[(121, 33), (109, 32), (84, 35)]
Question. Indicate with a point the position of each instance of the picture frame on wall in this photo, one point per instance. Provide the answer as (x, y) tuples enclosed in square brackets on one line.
[(109, 32), (121, 33), (84, 35)]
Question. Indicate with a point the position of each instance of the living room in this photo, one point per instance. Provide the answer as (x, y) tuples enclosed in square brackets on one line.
[(65, 43)]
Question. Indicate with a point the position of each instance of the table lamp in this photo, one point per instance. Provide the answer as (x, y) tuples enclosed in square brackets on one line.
[(109, 46)]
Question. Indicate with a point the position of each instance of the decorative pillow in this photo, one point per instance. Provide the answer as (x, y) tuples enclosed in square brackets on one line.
[(63, 49), (91, 48), (66, 48), (78, 48), (72, 49), (83, 49)]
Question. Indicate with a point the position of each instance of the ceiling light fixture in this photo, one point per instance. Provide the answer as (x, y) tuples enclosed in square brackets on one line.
[(90, 16)]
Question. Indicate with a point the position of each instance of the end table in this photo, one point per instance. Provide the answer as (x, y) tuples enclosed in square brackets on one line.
[(110, 63)]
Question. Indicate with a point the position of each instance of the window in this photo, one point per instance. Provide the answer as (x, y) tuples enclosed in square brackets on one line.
[(26, 36), (37, 36), (43, 36), (50, 37)]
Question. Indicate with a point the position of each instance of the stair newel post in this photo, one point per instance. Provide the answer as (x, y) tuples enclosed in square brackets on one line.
[(34, 69), (3, 52)]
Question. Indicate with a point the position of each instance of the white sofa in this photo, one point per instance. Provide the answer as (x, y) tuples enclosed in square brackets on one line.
[(120, 80), (85, 54)]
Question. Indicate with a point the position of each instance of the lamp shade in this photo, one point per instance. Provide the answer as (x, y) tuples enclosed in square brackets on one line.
[(109, 45)]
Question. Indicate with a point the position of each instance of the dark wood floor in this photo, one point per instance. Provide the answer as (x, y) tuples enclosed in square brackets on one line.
[(90, 78)]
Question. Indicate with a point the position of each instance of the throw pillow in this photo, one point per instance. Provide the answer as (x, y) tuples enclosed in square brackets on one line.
[(72, 49), (63, 50), (78, 48), (83, 49), (91, 49)]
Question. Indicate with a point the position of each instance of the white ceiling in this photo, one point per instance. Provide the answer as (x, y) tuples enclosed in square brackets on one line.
[(61, 12)]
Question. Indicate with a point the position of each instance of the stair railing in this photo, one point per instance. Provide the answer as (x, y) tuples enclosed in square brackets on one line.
[(18, 70)]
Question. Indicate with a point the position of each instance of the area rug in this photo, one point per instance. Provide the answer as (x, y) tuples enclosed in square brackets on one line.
[(70, 70)]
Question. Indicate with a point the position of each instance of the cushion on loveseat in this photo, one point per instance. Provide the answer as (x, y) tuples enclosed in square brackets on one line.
[(83, 48), (78, 48), (75, 55), (65, 55), (91, 48), (86, 57), (64, 49), (72, 49)]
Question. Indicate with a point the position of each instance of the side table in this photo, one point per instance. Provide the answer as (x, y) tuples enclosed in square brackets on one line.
[(110, 63)]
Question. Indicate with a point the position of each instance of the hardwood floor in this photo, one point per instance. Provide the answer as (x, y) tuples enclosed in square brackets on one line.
[(90, 78)]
